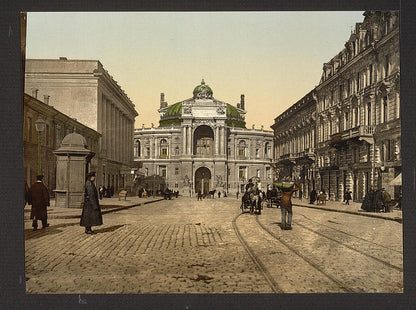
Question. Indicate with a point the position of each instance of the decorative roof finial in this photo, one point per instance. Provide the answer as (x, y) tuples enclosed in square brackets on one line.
[(203, 82)]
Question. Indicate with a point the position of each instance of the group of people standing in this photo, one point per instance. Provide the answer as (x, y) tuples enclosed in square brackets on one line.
[(106, 192), (37, 196)]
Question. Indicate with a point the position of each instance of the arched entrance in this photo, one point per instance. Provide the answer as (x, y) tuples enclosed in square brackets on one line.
[(202, 180)]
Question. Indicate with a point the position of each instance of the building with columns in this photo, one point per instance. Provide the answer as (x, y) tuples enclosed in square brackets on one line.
[(203, 144), (357, 123), (84, 90), (295, 143)]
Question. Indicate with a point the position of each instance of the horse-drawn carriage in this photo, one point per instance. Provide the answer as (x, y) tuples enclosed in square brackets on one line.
[(252, 198)]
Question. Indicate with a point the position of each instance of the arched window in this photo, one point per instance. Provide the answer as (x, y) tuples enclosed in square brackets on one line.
[(163, 148), (242, 149), (267, 150), (137, 151), (203, 141)]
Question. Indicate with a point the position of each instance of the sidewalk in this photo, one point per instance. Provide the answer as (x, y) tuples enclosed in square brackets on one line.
[(352, 208), (107, 205)]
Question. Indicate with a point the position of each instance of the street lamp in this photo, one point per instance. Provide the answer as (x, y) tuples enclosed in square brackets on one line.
[(40, 126)]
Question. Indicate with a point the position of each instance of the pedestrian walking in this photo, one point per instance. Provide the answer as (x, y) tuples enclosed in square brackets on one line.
[(91, 211), (300, 194), (286, 206), (39, 199), (101, 191), (313, 196), (237, 194), (385, 196), (347, 197), (219, 194), (199, 195)]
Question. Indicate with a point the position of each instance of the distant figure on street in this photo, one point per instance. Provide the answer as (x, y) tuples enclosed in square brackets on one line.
[(199, 195), (347, 197), (101, 191), (313, 196), (286, 206), (225, 194), (91, 211), (385, 196), (219, 194), (300, 193), (39, 199), (237, 194)]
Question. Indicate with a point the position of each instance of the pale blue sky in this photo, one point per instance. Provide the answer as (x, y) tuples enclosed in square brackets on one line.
[(274, 58)]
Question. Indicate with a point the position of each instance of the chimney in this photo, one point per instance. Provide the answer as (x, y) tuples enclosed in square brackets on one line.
[(46, 99), (242, 102), (35, 93), (163, 104)]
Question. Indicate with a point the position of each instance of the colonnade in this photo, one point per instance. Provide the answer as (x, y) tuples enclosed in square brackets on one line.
[(117, 129)]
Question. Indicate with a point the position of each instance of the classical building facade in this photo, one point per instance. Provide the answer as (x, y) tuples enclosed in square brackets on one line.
[(57, 126), (84, 90), (347, 135), (295, 143), (203, 144)]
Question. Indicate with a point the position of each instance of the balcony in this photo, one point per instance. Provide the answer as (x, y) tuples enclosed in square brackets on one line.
[(364, 131)]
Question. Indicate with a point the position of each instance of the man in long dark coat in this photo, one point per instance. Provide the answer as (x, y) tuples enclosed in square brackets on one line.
[(91, 211), (39, 199)]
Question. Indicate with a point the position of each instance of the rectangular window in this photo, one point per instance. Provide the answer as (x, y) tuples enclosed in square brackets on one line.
[(47, 135), (341, 92), (348, 87), (242, 173), (176, 185), (29, 129), (371, 74), (358, 81), (162, 171), (148, 151), (257, 153), (384, 109), (176, 171), (268, 173), (164, 152), (387, 66)]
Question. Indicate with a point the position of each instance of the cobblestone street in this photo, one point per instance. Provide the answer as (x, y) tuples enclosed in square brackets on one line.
[(190, 246)]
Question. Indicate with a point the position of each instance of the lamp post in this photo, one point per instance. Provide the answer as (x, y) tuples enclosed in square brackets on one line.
[(40, 126)]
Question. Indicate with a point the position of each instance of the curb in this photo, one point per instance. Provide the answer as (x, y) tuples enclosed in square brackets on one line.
[(399, 220), (106, 211)]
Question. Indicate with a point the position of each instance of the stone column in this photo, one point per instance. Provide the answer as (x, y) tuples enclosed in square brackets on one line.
[(183, 140), (217, 139), (189, 138), (112, 128)]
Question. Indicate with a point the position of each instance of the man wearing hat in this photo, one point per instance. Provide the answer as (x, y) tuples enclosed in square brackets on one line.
[(91, 211), (39, 199)]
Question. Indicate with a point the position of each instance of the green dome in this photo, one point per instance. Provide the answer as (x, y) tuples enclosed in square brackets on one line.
[(174, 109), (232, 111), (203, 91), (234, 118)]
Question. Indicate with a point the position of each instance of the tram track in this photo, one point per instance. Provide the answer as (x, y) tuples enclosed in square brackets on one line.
[(351, 247), (262, 268), (324, 278)]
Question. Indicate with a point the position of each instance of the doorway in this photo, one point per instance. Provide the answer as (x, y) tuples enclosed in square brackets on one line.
[(202, 180)]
